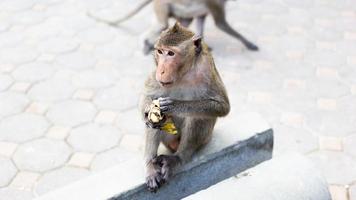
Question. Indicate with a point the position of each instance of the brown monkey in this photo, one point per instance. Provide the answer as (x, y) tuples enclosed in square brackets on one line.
[(190, 92), (185, 11)]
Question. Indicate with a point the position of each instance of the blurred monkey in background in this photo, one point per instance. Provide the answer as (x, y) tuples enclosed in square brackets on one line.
[(184, 11)]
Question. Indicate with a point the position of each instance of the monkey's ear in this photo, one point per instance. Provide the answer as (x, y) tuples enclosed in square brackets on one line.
[(197, 40), (175, 27)]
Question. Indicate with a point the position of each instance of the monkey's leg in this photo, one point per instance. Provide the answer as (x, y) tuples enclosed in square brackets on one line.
[(153, 172), (200, 25), (162, 11), (185, 21), (218, 12), (195, 134), (171, 141)]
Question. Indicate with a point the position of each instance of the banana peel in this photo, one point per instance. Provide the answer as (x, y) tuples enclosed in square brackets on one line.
[(169, 127)]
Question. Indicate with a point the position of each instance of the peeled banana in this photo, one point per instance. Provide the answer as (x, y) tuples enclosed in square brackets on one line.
[(155, 116)]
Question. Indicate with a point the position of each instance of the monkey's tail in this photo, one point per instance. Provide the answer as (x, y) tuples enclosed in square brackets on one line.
[(120, 20)]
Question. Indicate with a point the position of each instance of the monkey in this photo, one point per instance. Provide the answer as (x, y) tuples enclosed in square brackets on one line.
[(190, 92), (184, 11)]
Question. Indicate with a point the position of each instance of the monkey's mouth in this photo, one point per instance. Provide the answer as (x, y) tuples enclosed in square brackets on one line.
[(165, 84)]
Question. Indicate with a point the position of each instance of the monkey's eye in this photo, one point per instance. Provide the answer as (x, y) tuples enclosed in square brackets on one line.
[(159, 51), (170, 53)]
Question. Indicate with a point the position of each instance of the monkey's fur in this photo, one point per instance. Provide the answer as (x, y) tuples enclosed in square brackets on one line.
[(192, 94), (184, 11)]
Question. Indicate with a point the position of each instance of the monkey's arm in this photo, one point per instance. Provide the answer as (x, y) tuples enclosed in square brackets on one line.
[(152, 143), (153, 171), (145, 103), (209, 107)]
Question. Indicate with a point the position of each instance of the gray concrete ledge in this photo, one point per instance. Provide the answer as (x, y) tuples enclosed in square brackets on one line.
[(288, 177), (209, 169)]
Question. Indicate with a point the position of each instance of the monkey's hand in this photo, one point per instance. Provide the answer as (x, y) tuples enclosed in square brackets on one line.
[(151, 124), (154, 177), (167, 105), (167, 163)]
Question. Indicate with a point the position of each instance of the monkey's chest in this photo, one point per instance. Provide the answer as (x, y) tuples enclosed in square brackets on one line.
[(189, 9), (189, 93)]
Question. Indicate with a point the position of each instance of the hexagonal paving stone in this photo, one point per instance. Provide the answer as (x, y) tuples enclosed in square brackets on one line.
[(347, 104), (57, 45), (81, 159), (9, 39), (294, 100), (337, 124), (52, 90), (260, 83), (93, 79), (130, 122), (11, 103), (28, 18), (47, 29), (330, 143), (76, 60), (337, 167), (18, 55), (106, 117), (93, 137), (350, 145), (5, 81), (59, 178), (65, 74), (7, 148), (327, 88), (4, 26), (293, 139), (326, 58), (71, 113), (25, 180), (41, 155), (133, 142), (97, 35), (7, 171), (120, 97), (14, 194), (16, 5), (112, 157), (22, 127), (113, 51), (33, 72)]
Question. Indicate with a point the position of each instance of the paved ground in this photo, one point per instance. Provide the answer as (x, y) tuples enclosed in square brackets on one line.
[(69, 86)]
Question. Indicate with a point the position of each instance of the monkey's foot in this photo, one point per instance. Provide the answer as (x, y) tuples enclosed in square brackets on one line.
[(147, 47), (251, 46), (154, 181), (210, 48), (167, 164)]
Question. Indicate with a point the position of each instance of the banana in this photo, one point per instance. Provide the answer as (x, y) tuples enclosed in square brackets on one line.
[(155, 116)]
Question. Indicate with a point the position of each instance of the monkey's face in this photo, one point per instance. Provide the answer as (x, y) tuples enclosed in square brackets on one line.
[(168, 61)]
